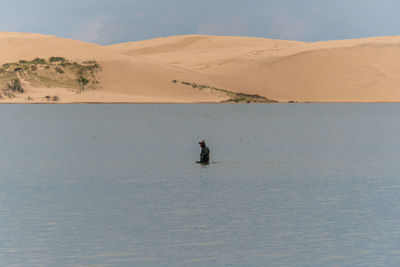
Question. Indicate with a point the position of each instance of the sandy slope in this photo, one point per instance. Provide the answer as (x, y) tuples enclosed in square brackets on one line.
[(349, 70)]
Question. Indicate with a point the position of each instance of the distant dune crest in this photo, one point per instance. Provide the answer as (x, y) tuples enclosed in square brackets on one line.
[(359, 70)]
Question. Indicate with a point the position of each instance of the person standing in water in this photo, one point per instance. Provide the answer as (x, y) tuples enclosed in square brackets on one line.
[(205, 154)]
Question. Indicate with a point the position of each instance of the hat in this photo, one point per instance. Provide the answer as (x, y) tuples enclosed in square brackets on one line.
[(202, 142)]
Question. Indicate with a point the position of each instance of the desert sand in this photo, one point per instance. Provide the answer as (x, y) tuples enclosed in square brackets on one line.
[(359, 70)]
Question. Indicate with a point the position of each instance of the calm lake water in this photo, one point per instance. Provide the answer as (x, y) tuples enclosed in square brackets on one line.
[(116, 185)]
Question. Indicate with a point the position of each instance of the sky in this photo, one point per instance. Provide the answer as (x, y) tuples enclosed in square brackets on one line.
[(115, 21)]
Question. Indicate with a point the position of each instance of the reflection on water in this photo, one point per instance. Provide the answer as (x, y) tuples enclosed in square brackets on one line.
[(117, 185)]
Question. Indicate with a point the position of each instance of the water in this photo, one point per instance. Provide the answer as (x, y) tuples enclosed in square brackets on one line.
[(116, 185)]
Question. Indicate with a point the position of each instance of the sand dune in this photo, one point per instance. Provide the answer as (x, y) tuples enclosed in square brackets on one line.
[(348, 70), (360, 70)]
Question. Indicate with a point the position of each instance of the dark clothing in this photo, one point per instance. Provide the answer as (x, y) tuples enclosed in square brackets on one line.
[(205, 155)]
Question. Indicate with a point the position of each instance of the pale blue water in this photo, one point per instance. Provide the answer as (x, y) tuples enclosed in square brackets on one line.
[(116, 185)]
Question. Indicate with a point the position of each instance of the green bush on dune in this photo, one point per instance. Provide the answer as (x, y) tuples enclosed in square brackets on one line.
[(24, 62), (82, 83), (56, 59), (14, 86), (38, 61), (7, 65), (60, 70)]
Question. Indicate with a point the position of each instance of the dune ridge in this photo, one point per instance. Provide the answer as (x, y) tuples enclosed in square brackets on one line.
[(357, 70)]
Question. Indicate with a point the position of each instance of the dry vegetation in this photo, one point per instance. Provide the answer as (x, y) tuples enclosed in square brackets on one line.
[(232, 97), (53, 72)]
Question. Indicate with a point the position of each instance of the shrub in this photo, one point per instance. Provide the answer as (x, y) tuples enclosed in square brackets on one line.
[(56, 59), (60, 70), (15, 86), (92, 65), (90, 62), (38, 61), (8, 94), (174, 81), (33, 68), (82, 81), (23, 61), (66, 64), (55, 98)]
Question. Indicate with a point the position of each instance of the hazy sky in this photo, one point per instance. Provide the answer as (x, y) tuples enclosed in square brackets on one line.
[(114, 21)]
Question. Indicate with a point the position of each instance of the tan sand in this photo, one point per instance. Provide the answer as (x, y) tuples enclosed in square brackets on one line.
[(362, 70)]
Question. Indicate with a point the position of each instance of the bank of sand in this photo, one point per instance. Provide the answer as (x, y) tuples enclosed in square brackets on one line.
[(361, 70)]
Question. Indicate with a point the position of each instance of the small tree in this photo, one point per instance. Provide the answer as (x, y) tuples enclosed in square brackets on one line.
[(15, 86), (82, 81)]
